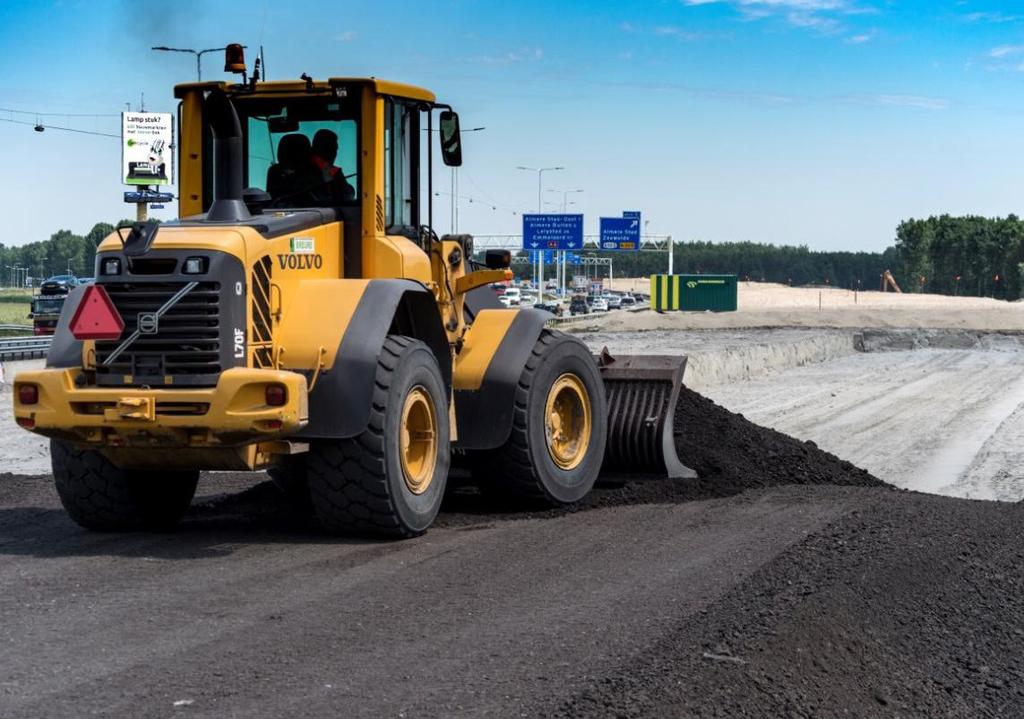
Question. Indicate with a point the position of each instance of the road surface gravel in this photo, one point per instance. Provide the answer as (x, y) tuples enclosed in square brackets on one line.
[(740, 594)]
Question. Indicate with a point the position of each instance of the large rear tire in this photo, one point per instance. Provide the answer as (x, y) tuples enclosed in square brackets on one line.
[(389, 480), (103, 497), (559, 428)]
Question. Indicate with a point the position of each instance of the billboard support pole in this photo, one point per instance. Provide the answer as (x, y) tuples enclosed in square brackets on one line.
[(670, 254), (141, 214), (540, 276)]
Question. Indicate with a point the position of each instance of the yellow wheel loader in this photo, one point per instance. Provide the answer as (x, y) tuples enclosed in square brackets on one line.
[(303, 317)]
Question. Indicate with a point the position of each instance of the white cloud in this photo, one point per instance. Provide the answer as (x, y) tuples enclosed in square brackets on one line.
[(1005, 50), (859, 39), (528, 54), (676, 32), (824, 16), (347, 36), (922, 102), (777, 99), (994, 17)]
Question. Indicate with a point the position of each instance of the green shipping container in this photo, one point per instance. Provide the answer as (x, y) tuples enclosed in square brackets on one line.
[(694, 293)]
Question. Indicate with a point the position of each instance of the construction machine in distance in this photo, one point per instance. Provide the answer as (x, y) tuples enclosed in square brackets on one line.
[(303, 317)]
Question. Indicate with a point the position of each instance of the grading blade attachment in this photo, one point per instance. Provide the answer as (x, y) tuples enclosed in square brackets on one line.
[(643, 391)]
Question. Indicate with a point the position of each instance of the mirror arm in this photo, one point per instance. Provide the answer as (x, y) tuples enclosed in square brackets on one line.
[(430, 169)]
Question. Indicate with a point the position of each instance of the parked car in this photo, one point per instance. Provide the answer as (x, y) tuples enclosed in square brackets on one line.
[(58, 285), (504, 300), (614, 302), (628, 301), (579, 306), (553, 307), (600, 304), (514, 295)]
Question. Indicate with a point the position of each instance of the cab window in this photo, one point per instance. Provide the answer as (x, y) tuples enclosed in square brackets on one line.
[(401, 171), (303, 153)]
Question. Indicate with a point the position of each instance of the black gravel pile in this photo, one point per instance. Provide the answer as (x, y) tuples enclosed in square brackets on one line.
[(908, 607), (730, 454), (734, 453)]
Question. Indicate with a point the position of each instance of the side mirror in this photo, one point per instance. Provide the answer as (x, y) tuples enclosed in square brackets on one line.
[(498, 259), (451, 140)]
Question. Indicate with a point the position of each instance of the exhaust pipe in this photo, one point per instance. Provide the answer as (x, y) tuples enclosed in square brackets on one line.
[(228, 205)]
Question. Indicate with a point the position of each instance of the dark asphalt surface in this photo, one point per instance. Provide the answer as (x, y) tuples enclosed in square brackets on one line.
[(784, 582), (245, 619), (795, 600)]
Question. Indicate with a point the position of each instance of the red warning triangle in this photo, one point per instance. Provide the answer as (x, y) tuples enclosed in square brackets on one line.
[(96, 318)]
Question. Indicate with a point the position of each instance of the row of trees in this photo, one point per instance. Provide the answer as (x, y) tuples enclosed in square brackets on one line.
[(764, 263), (945, 255), (977, 256), (64, 253)]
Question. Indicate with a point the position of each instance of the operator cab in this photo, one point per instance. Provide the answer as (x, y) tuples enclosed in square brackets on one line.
[(313, 146), (302, 152)]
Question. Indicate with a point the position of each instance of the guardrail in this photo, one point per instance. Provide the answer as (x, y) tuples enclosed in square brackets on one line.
[(23, 348), (15, 328)]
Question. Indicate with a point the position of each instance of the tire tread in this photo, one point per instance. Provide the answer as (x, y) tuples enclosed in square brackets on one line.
[(348, 482)]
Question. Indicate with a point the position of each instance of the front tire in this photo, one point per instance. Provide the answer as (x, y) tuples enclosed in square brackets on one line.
[(389, 480), (559, 429), (103, 497)]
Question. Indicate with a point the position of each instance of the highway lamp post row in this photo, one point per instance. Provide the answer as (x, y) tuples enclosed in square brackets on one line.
[(540, 194), (560, 264), (454, 209), (18, 275)]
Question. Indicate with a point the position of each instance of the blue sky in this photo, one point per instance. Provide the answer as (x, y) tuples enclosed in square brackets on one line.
[(818, 122)]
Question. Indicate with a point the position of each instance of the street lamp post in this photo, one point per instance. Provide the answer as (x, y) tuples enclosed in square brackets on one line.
[(455, 188), (198, 53), (455, 185), (540, 192), (561, 264)]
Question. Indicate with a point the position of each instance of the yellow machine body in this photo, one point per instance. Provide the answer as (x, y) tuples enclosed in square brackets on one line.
[(309, 294)]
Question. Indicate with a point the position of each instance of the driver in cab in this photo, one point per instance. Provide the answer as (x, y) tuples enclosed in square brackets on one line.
[(334, 188)]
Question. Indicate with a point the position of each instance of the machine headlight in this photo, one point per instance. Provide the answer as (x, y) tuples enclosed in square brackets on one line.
[(195, 265), (111, 266)]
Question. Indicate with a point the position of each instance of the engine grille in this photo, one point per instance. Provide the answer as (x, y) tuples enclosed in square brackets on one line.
[(185, 349)]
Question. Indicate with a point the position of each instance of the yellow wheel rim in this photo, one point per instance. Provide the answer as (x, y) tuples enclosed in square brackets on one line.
[(567, 421), (419, 440)]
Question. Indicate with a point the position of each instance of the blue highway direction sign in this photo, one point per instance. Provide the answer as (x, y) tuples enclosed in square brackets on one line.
[(552, 232), (548, 256), (620, 233)]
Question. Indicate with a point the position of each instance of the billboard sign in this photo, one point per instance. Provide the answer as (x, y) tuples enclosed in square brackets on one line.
[(147, 148)]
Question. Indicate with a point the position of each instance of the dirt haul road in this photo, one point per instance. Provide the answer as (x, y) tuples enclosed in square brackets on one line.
[(726, 596)]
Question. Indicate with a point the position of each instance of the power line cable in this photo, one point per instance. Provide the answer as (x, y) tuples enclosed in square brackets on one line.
[(59, 114), (486, 203), (56, 127)]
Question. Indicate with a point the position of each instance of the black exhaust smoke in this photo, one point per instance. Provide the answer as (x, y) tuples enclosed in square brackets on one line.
[(227, 160)]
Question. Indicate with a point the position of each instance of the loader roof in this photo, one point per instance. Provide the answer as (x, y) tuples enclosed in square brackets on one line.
[(383, 87)]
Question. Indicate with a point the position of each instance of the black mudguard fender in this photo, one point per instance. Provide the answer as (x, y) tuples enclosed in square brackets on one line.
[(339, 403), (484, 414)]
